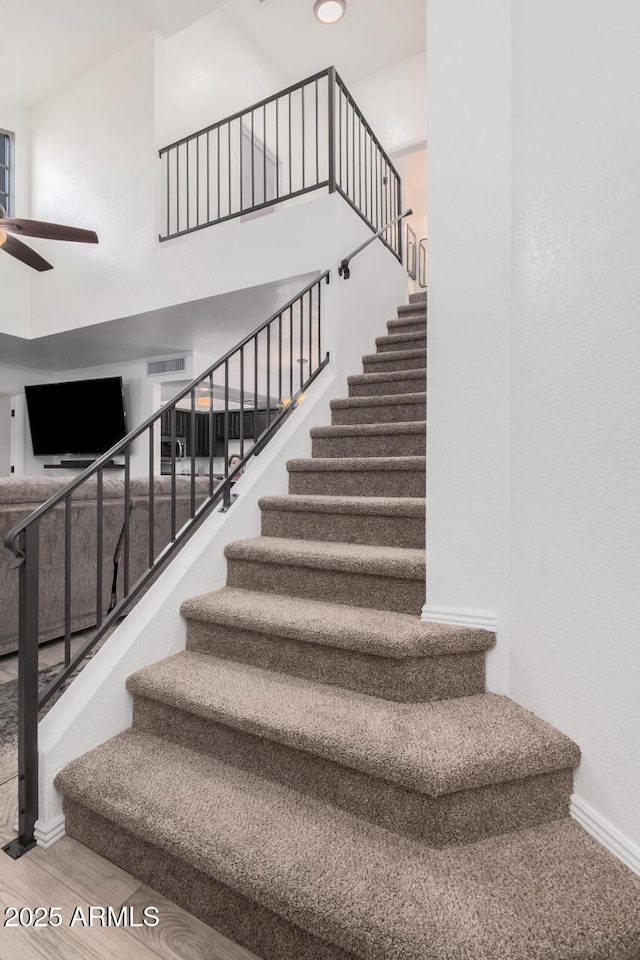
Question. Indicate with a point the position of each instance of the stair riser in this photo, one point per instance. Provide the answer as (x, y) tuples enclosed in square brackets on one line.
[(388, 388), (384, 366), (384, 445), (419, 297), (356, 483), (336, 586), (237, 917), (408, 532), (398, 326), (394, 413), (417, 343), (412, 308), (409, 679), (463, 817)]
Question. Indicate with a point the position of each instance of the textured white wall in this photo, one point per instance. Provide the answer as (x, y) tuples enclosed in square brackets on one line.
[(14, 276), (575, 602), (534, 302), (394, 101), (469, 272)]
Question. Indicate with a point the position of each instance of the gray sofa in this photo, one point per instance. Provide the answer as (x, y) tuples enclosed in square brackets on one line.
[(20, 496)]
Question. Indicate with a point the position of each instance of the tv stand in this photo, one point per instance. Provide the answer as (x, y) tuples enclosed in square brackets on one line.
[(82, 465)]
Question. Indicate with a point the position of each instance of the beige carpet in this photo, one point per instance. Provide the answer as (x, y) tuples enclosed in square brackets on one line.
[(321, 775)]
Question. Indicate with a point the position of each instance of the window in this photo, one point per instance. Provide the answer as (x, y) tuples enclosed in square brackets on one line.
[(5, 171)]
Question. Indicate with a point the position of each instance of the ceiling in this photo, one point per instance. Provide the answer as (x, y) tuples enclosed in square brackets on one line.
[(373, 34), (48, 43), (210, 326)]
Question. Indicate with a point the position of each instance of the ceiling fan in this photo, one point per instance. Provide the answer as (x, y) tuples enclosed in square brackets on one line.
[(36, 228)]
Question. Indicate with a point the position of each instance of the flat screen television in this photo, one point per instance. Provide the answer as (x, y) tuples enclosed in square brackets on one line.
[(79, 417)]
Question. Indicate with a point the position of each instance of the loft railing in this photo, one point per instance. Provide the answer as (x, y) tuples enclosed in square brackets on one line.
[(310, 136), (422, 263), (283, 356), (411, 253)]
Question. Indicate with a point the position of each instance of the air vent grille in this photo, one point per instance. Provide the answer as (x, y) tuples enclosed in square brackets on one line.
[(172, 365)]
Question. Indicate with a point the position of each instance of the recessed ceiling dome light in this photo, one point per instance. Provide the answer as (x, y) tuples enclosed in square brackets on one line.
[(330, 11)]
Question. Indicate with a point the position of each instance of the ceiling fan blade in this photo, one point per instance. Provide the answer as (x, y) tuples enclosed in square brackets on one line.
[(15, 248), (47, 231)]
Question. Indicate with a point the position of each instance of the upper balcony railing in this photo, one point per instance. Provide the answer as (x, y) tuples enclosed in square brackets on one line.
[(311, 136)]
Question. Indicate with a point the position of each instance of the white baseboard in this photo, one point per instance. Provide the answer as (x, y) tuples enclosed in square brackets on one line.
[(461, 617), (48, 833), (602, 831)]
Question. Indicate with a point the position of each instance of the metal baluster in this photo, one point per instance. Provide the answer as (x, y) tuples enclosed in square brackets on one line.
[(319, 316), (99, 533), (229, 146), (301, 340), (290, 149), (29, 587), (317, 136), (353, 148), (269, 375), (264, 152), (331, 105), (280, 359), (173, 472), (67, 580), (277, 148), (291, 351), (346, 138), (241, 168), (152, 497), (198, 181), (188, 172), (211, 435), (193, 452), (242, 403), (255, 388), (253, 160), (168, 155), (304, 161), (208, 176), (178, 189), (127, 518), (227, 489), (218, 178), (340, 134)]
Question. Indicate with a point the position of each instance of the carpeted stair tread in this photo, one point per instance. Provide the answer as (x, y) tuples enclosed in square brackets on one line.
[(392, 355), (360, 506), (410, 309), (419, 297), (370, 429), (374, 632), (402, 341), (390, 376), (384, 400), (546, 893), (318, 555), (356, 464), (419, 320), (435, 748)]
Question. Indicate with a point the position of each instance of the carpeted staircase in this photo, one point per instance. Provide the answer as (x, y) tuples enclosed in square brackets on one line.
[(321, 775)]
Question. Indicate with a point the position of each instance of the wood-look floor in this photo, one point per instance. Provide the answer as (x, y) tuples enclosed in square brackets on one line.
[(68, 875)]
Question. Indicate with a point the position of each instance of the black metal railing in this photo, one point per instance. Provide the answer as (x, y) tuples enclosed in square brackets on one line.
[(412, 253), (260, 382), (422, 263), (344, 270), (310, 136)]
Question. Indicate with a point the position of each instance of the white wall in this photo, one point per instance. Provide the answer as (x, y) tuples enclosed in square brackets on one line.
[(533, 312), (469, 274), (207, 72), (14, 276), (575, 650), (394, 101)]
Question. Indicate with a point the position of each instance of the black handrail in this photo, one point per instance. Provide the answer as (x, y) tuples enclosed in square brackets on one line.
[(344, 269), (309, 136), (268, 353)]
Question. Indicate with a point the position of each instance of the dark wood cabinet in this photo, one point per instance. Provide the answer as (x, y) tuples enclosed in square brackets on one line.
[(253, 425)]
